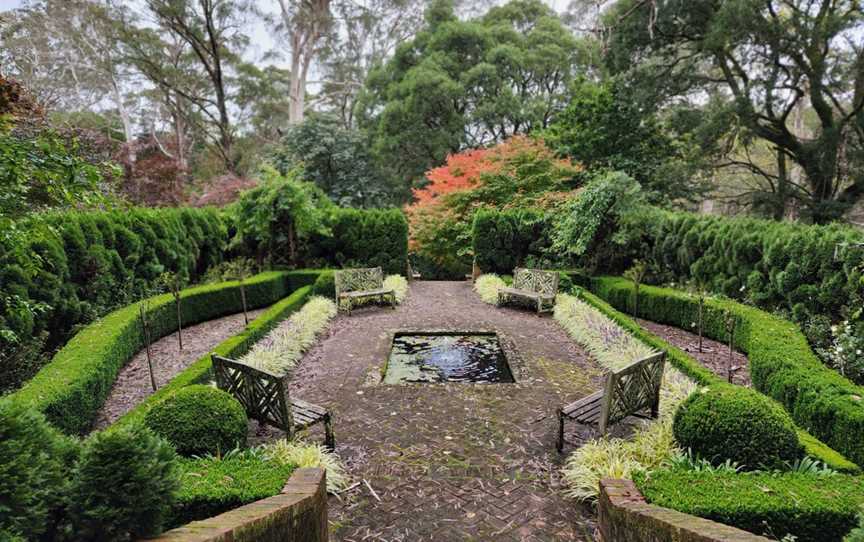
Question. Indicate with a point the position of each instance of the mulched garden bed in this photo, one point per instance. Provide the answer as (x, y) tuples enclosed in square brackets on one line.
[(714, 355), (133, 383)]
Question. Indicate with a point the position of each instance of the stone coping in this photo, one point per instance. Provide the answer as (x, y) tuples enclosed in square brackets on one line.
[(297, 514)]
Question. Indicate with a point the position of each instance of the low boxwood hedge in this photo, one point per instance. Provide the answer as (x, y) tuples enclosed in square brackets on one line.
[(233, 347), (782, 365), (74, 385), (692, 368), (211, 485), (812, 508)]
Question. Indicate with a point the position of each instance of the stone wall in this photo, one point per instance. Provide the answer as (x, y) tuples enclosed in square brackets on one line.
[(625, 516), (298, 514)]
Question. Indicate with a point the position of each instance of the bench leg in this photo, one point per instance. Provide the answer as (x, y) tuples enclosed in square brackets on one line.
[(329, 439), (560, 444)]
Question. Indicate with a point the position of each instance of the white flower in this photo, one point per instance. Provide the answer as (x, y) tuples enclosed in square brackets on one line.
[(858, 352), (741, 289)]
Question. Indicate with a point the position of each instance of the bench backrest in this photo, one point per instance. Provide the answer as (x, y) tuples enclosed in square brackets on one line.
[(358, 280), (263, 395), (536, 280), (632, 389)]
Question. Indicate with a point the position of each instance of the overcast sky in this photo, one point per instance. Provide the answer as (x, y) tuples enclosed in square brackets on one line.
[(262, 37)]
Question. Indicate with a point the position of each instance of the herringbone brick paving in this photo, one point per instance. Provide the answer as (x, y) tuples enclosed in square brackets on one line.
[(449, 461)]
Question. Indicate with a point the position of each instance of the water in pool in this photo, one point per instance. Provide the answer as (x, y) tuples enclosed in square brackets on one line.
[(442, 357)]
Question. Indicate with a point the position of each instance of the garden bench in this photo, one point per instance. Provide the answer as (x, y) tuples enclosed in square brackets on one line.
[(265, 398), (532, 285), (356, 284), (631, 391)]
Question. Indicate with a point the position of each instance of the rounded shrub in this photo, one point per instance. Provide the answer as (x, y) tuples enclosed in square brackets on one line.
[(123, 485), (34, 459), (736, 424), (325, 285), (199, 420)]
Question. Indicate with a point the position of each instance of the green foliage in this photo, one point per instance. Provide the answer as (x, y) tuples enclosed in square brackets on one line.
[(738, 425), (603, 127), (809, 507), (71, 388), (337, 160), (856, 535), (215, 484), (234, 347), (774, 265), (282, 212), (34, 461), (364, 238), (505, 240), (42, 172), (587, 229), (458, 83), (60, 271), (123, 485), (305, 455), (782, 365), (199, 419), (325, 285)]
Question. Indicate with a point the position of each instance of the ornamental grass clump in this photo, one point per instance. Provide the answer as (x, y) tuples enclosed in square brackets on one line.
[(650, 445), (487, 287), (399, 285), (303, 455), (282, 348)]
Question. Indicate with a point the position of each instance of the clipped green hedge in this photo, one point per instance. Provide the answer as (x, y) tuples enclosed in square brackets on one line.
[(695, 370), (782, 365), (73, 386), (503, 240), (201, 371), (81, 265), (210, 486), (775, 265), (812, 508), (365, 238)]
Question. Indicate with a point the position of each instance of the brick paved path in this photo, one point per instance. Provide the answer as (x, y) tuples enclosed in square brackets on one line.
[(449, 461)]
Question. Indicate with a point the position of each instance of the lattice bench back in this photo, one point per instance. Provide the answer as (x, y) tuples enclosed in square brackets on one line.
[(632, 389), (358, 280), (536, 280), (263, 395)]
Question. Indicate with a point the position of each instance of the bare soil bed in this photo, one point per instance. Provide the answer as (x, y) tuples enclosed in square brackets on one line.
[(714, 355), (133, 383)]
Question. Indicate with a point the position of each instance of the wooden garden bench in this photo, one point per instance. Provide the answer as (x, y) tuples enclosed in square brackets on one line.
[(631, 391), (265, 398), (355, 284), (532, 285)]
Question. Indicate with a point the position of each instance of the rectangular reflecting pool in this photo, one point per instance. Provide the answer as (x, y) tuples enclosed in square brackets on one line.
[(447, 357)]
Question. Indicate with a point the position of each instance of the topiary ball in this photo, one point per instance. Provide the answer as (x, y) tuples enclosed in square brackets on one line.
[(325, 285), (737, 424), (199, 420)]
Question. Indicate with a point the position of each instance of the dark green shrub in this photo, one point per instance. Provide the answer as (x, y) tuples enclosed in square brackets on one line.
[(212, 485), (809, 507), (364, 238), (34, 461), (70, 389), (123, 485), (505, 240), (325, 285), (857, 535), (198, 420), (66, 269), (736, 424)]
